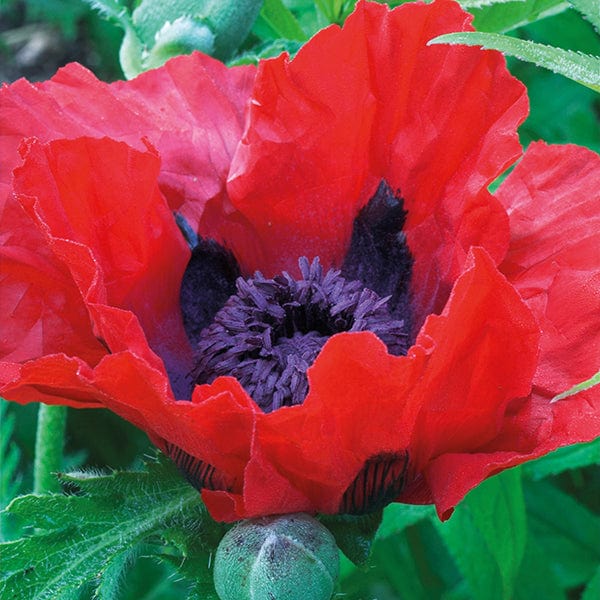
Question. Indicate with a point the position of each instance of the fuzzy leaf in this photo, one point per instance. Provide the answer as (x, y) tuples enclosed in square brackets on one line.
[(486, 536), (580, 67), (590, 9), (78, 538), (113, 10), (506, 16)]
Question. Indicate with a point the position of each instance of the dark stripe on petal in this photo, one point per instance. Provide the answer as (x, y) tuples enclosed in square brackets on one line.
[(200, 474), (378, 483)]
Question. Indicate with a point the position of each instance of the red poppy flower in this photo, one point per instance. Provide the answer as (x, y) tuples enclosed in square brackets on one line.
[(407, 330)]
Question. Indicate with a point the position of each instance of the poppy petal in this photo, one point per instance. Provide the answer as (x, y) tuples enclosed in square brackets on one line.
[(311, 453), (98, 208), (367, 102), (553, 201), (482, 355), (191, 110), (41, 311)]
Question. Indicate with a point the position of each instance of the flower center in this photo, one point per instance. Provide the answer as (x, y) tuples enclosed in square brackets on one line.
[(271, 330)]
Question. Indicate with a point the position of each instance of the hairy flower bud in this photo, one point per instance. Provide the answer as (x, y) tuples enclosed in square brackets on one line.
[(277, 558)]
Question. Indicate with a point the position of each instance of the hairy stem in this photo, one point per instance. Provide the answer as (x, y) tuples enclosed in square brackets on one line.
[(49, 443)]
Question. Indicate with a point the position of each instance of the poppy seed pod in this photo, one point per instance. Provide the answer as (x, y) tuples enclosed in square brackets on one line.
[(273, 558)]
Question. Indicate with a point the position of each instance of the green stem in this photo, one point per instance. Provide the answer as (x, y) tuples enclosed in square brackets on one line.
[(49, 444)]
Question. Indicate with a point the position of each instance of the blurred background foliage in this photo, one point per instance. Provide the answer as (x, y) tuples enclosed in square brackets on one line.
[(549, 510)]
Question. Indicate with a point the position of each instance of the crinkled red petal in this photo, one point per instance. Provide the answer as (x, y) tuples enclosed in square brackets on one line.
[(373, 101), (553, 205), (99, 214), (553, 201), (535, 428), (41, 311), (303, 458), (192, 111), (483, 352)]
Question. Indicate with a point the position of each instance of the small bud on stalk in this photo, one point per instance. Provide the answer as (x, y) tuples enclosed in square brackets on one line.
[(285, 557)]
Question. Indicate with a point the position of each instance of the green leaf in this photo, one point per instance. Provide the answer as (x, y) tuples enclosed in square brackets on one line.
[(113, 10), (78, 538), (65, 14), (111, 580), (567, 531), (580, 67), (592, 589), (10, 479), (486, 535), (592, 381), (266, 50), (276, 21), (353, 534), (564, 459), (397, 517), (590, 9), (503, 17), (536, 579)]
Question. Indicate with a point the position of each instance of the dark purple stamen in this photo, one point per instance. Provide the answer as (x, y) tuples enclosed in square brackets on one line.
[(378, 254), (271, 330), (267, 332), (208, 281)]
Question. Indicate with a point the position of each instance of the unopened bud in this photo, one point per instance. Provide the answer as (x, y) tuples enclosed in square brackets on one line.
[(290, 557)]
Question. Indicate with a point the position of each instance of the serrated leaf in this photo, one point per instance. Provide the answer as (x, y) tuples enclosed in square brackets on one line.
[(354, 535), (564, 459), (276, 21), (590, 9), (486, 535), (567, 530), (111, 579), (113, 10), (467, 4), (506, 16), (397, 517), (579, 67), (77, 537)]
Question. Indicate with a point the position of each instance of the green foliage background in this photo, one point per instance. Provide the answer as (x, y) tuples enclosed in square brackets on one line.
[(533, 531)]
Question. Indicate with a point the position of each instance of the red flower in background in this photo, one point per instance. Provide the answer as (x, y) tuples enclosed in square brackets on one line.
[(371, 151)]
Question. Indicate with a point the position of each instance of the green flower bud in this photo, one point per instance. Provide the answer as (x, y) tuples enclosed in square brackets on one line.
[(182, 36), (277, 558)]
